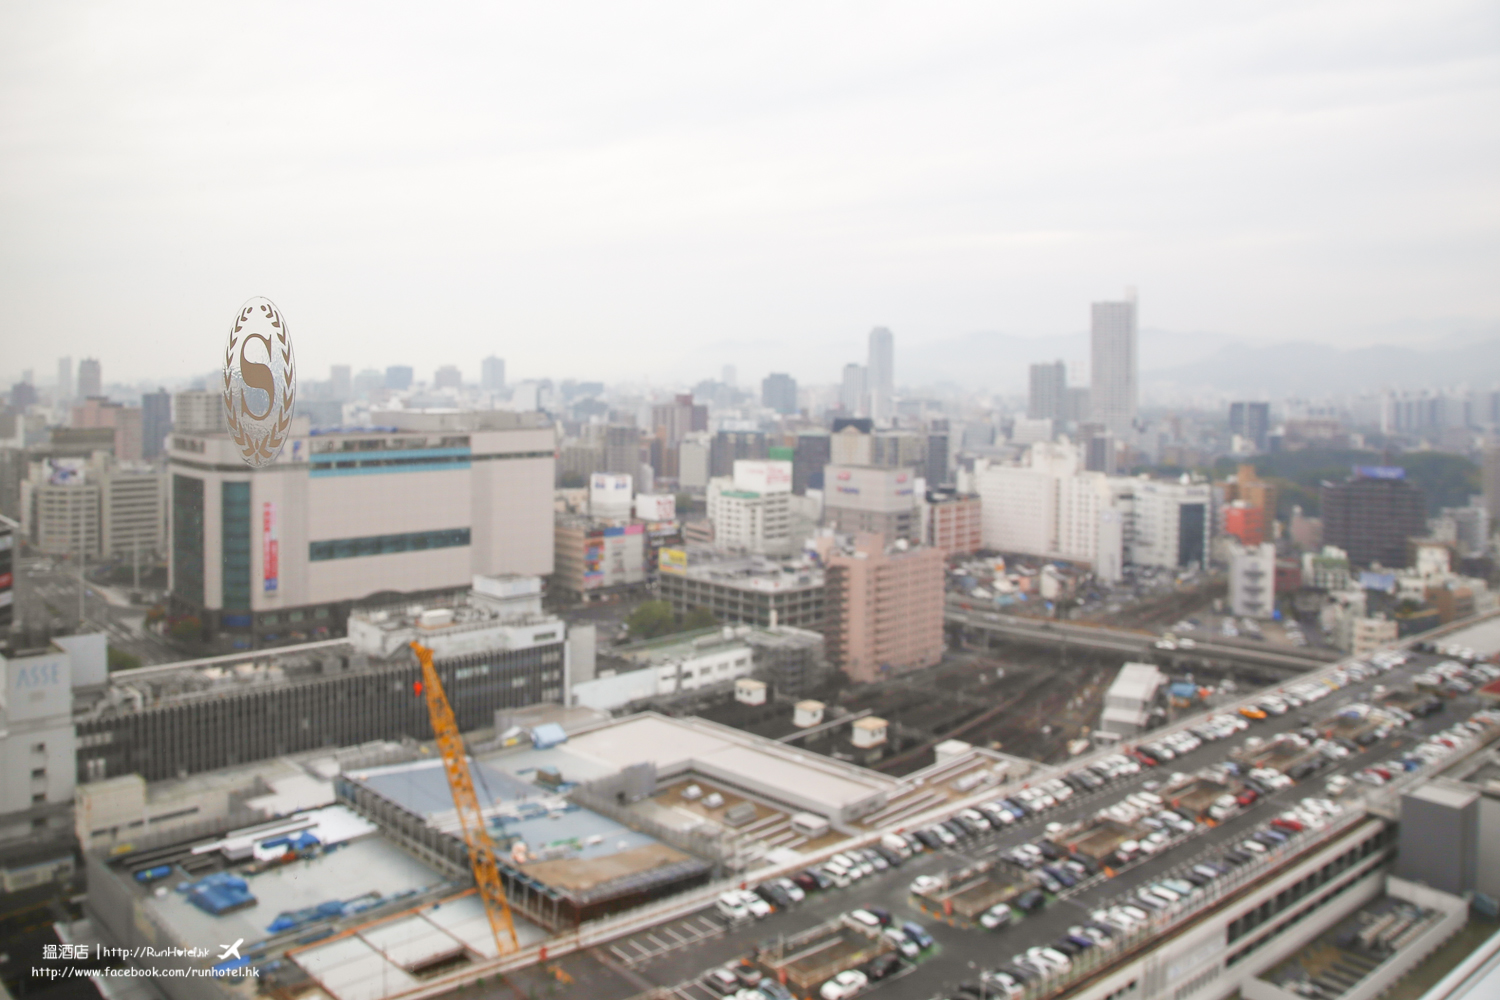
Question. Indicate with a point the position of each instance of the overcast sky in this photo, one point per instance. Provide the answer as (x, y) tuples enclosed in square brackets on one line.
[(616, 190)]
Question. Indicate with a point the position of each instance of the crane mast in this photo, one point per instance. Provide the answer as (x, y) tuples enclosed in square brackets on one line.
[(471, 819)]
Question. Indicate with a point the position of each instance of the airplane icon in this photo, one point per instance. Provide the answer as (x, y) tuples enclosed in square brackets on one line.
[(231, 950)]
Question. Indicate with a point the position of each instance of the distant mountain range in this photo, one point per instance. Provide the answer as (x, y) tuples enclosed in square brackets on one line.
[(1313, 370), (1193, 363)]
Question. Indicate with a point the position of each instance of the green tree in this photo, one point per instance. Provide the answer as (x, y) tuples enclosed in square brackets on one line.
[(650, 620), (119, 659)]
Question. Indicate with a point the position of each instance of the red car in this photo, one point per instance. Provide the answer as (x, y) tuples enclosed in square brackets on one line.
[(1247, 797), (1287, 824)]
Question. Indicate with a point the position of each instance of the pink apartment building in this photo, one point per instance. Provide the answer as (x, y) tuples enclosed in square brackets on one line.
[(954, 523), (884, 607)]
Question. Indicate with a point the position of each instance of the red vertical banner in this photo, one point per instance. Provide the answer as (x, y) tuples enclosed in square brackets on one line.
[(270, 571)]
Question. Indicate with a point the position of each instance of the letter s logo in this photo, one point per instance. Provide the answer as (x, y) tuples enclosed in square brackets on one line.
[(259, 429), (257, 376)]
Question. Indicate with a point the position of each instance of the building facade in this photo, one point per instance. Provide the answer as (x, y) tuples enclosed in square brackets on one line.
[(882, 374), (1252, 579), (746, 590), (1371, 515), (885, 608), (870, 500), (421, 506), (201, 719), (597, 558), (1114, 391), (955, 522), (1047, 399), (778, 391), (751, 511)]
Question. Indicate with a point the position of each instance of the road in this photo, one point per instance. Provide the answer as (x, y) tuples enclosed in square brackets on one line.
[(1285, 660), (678, 953), (46, 593)]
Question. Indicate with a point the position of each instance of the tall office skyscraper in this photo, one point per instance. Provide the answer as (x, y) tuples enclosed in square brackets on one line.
[(853, 393), (1251, 421), (156, 422), (1049, 391), (399, 377), (64, 378), (492, 374), (778, 391), (1114, 391), (341, 382), (882, 374), (90, 378)]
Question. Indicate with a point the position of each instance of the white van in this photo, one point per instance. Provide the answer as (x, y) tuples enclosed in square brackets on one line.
[(891, 842), (732, 908)]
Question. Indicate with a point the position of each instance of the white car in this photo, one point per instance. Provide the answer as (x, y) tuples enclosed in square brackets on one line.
[(794, 891), (925, 883), (731, 907), (866, 918), (844, 985), (758, 907)]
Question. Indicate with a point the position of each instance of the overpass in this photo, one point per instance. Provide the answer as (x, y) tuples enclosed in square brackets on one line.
[(992, 625)]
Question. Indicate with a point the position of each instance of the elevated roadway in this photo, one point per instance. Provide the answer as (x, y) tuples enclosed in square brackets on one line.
[(1140, 645)]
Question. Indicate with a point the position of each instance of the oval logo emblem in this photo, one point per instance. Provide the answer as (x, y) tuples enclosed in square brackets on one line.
[(260, 381)]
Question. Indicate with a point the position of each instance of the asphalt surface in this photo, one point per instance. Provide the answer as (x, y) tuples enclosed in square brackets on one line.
[(46, 593), (672, 955)]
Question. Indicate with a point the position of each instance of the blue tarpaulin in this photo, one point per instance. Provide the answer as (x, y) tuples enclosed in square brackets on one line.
[(548, 734)]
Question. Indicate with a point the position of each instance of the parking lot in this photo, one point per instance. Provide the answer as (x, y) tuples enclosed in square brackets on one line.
[(960, 953)]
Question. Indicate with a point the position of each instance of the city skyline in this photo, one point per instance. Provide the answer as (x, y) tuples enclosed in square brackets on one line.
[(704, 205)]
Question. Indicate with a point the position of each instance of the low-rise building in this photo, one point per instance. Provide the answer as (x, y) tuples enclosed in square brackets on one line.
[(860, 499), (751, 511), (597, 558), (1130, 699), (753, 590), (954, 522)]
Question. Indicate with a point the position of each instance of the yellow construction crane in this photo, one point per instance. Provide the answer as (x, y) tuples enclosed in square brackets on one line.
[(470, 818)]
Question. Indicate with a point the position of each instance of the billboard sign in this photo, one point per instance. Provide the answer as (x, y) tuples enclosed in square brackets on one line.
[(673, 562), (7, 575), (270, 555), (67, 471), (656, 507), (763, 476), (1379, 472)]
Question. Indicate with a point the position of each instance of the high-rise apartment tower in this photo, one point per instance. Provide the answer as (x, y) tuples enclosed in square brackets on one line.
[(1114, 390)]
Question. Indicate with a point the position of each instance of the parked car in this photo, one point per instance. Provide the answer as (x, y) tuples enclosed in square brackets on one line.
[(722, 981), (995, 917), (882, 965), (844, 985)]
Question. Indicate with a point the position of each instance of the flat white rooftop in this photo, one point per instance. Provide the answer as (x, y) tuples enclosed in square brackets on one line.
[(807, 781)]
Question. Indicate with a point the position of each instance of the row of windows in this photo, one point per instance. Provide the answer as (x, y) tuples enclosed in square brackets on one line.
[(1296, 891), (377, 545)]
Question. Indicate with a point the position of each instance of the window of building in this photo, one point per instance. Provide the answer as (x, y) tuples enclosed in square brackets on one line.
[(373, 545), (187, 539), (38, 773), (236, 542)]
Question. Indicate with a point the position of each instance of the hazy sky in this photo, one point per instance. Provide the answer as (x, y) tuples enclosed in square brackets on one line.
[(614, 190)]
